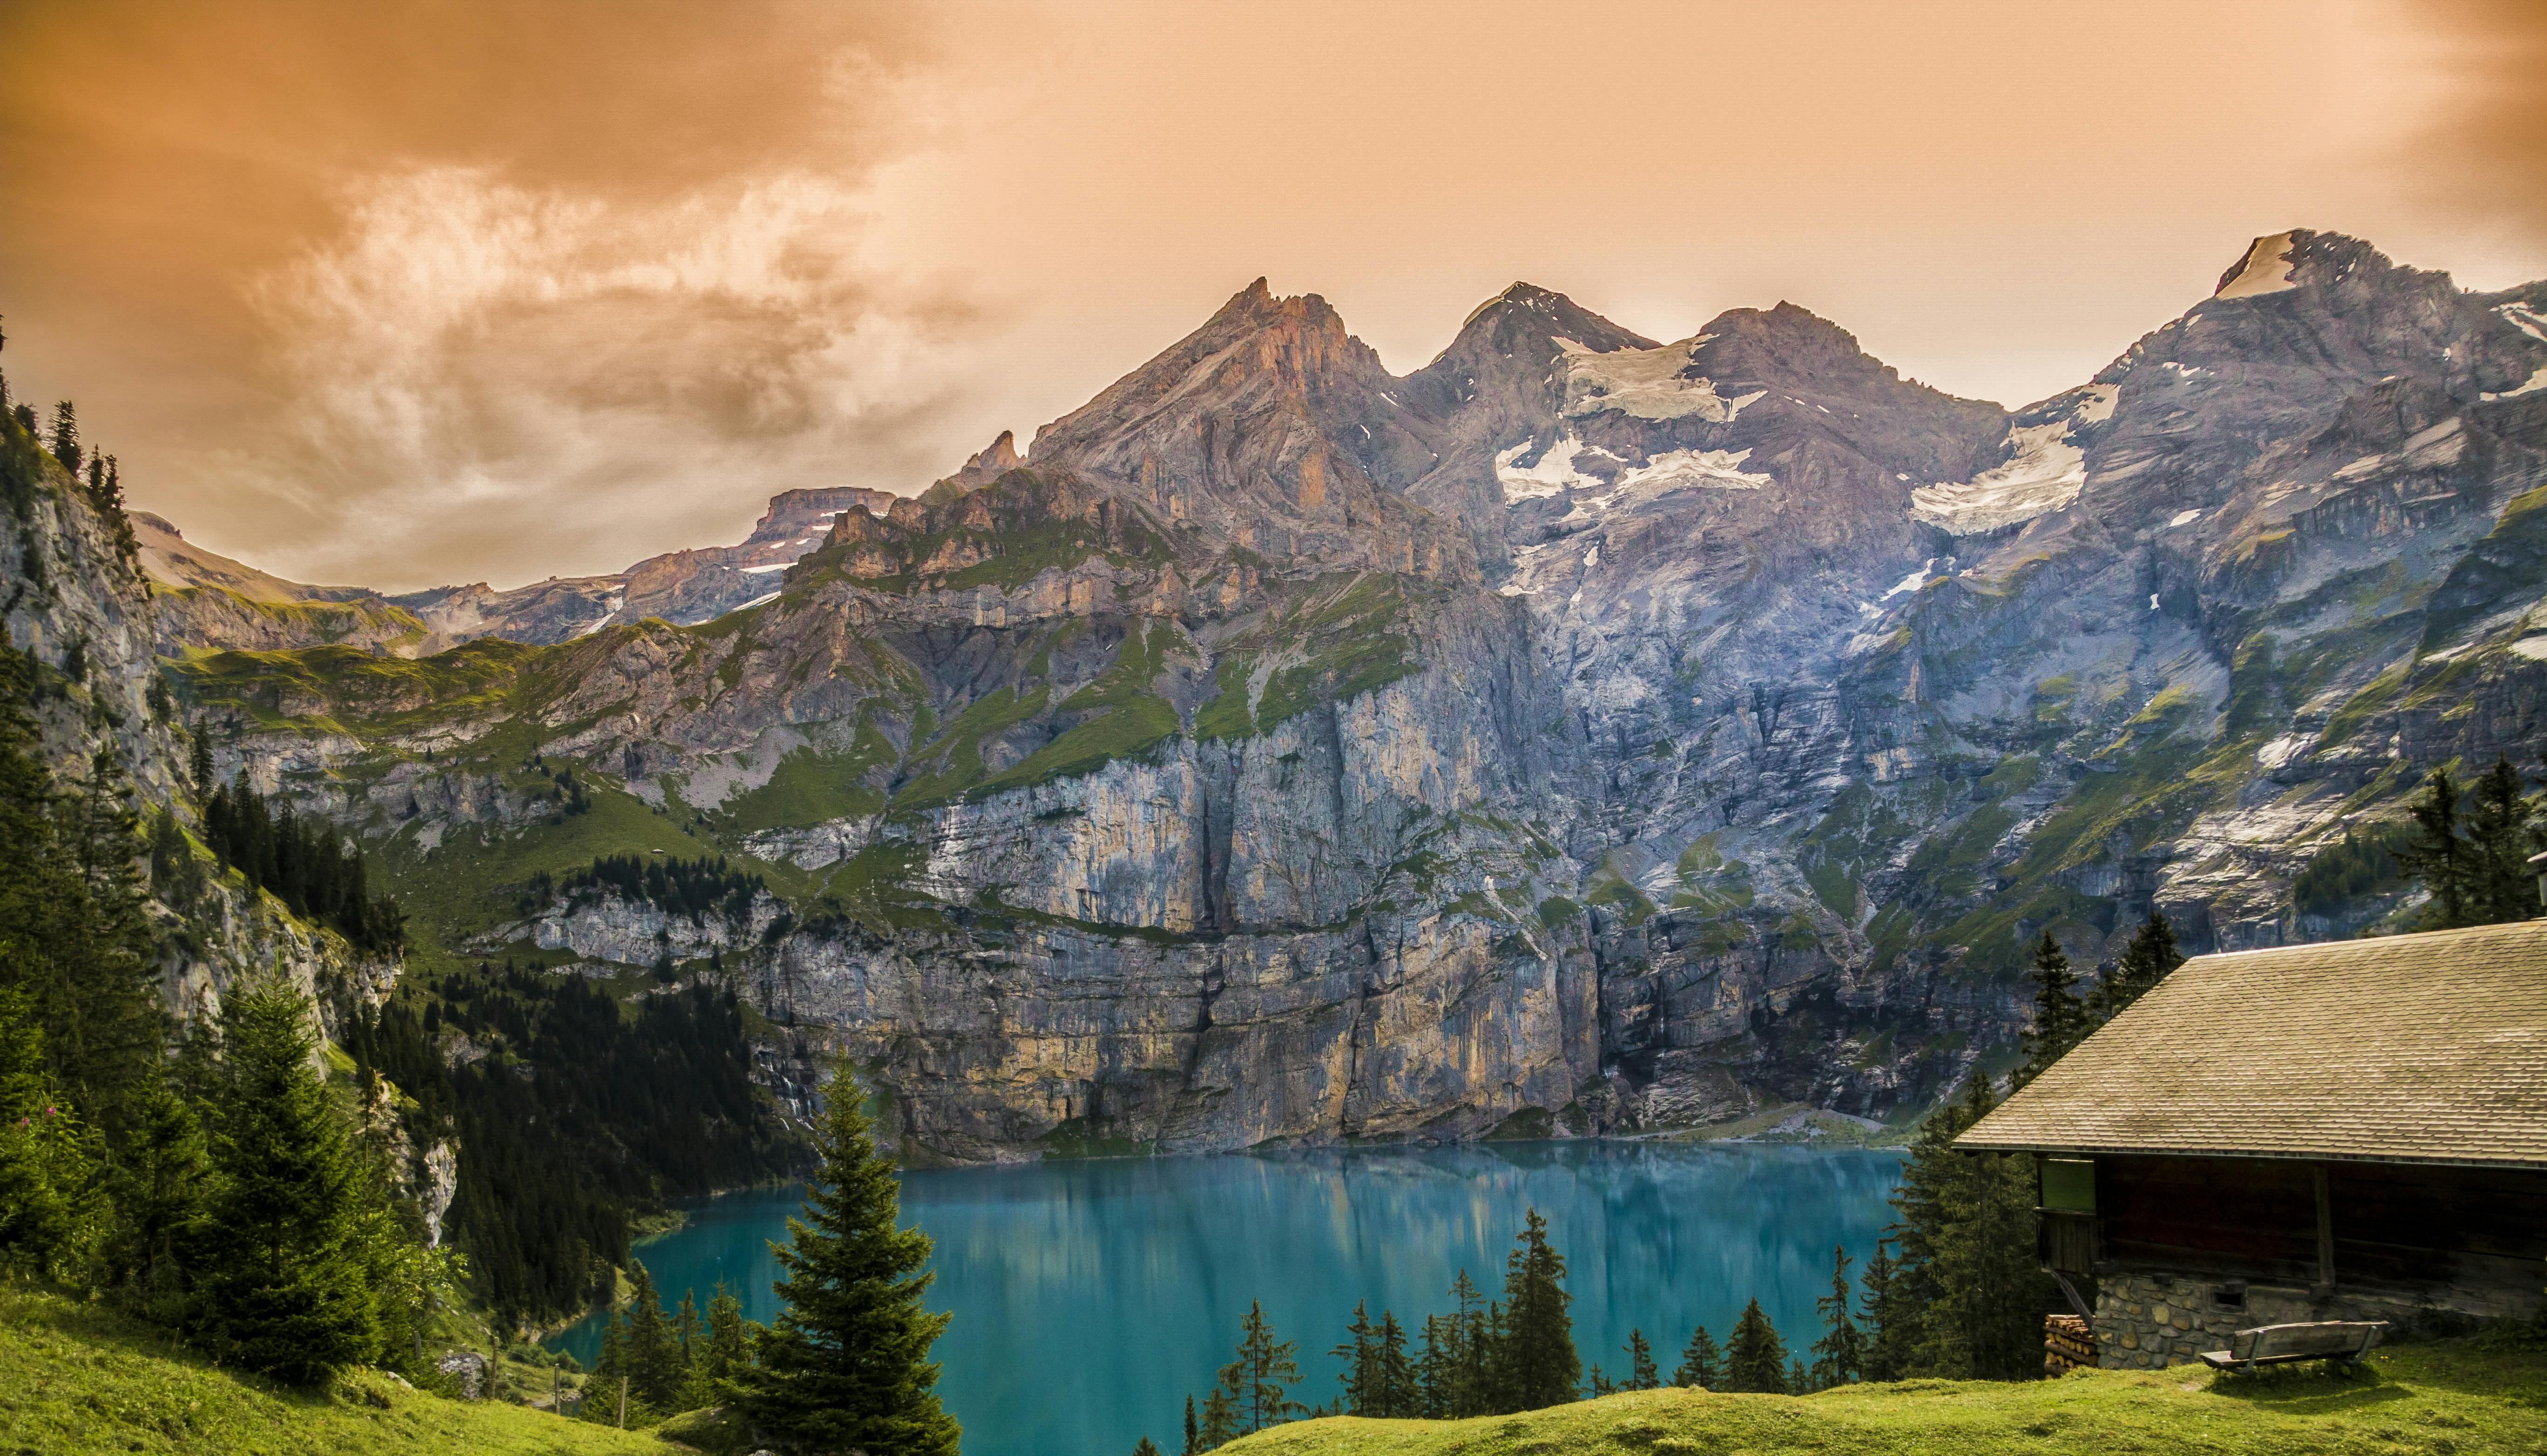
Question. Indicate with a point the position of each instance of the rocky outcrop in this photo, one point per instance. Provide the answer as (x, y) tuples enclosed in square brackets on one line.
[(1581, 734), (87, 617)]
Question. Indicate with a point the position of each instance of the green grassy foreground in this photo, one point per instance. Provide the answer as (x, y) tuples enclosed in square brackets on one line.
[(2452, 1398), (79, 1378)]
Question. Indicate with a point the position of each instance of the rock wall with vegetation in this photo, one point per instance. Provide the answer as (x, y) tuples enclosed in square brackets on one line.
[(1576, 735)]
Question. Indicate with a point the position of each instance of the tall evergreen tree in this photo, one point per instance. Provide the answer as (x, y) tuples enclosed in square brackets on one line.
[(75, 939), (1399, 1399), (1839, 1356), (1535, 1364), (198, 758), (846, 1365), (724, 1349), (1641, 1373), (280, 1273), (1887, 1327), (1701, 1367), (1970, 1293), (162, 1192), (2500, 839), (2060, 1018), (49, 1209), (2437, 853), (65, 442), (1260, 1379), (1755, 1357), (1194, 1433), (1145, 1447), (1220, 1418), (2149, 958), (657, 1371), (1361, 1356)]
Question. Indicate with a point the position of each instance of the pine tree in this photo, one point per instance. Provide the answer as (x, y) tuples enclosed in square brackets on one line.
[(198, 758), (65, 442), (2149, 958), (1220, 1418), (657, 1373), (1194, 1433), (161, 1195), (76, 938), (1756, 1357), (109, 953), (1597, 1384), (48, 1207), (1888, 1328), (1799, 1381), (724, 1350), (1535, 1364), (1146, 1447), (1839, 1356), (1398, 1397), (1259, 1378), (1642, 1374), (2501, 885), (280, 1273), (2438, 855), (1361, 1355), (1967, 1283), (2060, 1018), (1700, 1366), (846, 1365)]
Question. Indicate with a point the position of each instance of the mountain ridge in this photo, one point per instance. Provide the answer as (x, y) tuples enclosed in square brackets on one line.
[(1576, 735)]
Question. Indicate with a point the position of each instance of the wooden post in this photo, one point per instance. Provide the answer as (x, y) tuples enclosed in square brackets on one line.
[(2324, 1233), (623, 1402)]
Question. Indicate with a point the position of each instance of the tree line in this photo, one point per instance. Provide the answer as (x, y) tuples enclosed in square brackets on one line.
[(579, 1118), (104, 477), (304, 862), (690, 888), (210, 1181), (843, 1367)]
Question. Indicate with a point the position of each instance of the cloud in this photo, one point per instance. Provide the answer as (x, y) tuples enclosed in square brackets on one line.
[(418, 289), (552, 378)]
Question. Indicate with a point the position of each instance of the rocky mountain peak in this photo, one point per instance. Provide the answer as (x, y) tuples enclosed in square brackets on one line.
[(1509, 352), (998, 456)]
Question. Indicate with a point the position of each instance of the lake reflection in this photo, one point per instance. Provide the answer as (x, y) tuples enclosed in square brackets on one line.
[(1090, 1297)]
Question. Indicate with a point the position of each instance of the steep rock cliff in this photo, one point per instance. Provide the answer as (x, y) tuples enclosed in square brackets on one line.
[(1580, 734)]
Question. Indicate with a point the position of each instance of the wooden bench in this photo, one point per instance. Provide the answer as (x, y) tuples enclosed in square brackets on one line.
[(2281, 1345)]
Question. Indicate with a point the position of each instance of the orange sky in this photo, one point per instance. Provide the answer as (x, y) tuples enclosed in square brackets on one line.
[(409, 292)]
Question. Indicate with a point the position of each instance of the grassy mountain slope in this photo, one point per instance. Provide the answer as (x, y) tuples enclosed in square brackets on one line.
[(2441, 1399), (80, 1379)]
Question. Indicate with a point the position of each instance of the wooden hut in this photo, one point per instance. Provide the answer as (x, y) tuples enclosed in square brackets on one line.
[(2354, 1130)]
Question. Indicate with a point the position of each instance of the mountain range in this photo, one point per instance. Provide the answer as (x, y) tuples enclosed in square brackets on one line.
[(1578, 734)]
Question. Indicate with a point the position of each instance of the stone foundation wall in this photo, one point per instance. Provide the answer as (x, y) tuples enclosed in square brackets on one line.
[(2146, 1321)]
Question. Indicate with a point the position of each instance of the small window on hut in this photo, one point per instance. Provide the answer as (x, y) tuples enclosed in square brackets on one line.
[(2069, 1184)]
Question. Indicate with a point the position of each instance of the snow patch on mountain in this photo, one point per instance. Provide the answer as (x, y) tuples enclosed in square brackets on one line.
[(1678, 470), (2537, 381), (2044, 473), (1554, 470), (2268, 270), (1648, 383)]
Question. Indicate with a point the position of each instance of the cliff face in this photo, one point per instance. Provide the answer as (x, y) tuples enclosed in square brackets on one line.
[(1579, 734), (86, 616)]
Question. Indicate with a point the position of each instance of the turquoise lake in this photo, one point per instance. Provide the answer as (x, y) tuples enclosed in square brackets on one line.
[(1090, 1297)]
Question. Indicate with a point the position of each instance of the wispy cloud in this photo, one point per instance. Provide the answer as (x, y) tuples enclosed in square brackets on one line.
[(553, 373)]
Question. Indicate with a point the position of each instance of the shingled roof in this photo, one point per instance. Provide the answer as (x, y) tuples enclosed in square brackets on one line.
[(2404, 1049)]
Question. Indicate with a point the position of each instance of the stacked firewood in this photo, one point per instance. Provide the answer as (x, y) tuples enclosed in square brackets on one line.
[(2067, 1344)]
